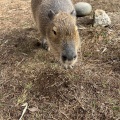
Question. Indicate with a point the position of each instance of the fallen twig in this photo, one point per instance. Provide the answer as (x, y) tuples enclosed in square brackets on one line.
[(26, 106)]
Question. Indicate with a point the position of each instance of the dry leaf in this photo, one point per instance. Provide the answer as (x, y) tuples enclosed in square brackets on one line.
[(34, 109)]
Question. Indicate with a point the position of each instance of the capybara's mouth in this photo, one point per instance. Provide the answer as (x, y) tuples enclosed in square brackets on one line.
[(69, 64)]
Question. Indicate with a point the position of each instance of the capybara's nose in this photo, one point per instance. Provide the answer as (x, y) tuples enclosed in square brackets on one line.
[(69, 52), (69, 57)]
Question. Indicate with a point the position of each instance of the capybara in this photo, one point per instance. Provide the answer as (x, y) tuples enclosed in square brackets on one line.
[(56, 22)]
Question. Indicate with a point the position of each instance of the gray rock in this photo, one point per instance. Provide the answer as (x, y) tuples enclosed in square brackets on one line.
[(83, 9), (101, 18)]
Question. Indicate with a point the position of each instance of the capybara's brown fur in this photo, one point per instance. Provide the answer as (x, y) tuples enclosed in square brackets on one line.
[(56, 22)]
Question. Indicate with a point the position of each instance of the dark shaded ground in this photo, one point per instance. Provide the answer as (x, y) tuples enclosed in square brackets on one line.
[(91, 91)]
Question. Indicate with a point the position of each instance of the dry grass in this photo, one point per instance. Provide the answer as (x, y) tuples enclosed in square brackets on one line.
[(90, 91)]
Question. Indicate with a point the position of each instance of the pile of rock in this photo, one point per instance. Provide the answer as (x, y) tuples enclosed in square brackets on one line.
[(83, 9), (100, 17)]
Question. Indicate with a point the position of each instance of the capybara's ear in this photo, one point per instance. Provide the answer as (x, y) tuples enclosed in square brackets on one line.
[(73, 13), (51, 14)]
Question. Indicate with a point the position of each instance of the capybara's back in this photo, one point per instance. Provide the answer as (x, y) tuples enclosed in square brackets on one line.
[(41, 9), (56, 21)]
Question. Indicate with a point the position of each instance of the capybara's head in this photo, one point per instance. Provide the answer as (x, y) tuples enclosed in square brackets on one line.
[(63, 36)]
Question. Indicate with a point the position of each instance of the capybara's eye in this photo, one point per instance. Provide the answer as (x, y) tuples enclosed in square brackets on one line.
[(54, 32)]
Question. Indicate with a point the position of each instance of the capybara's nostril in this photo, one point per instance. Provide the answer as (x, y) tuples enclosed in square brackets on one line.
[(64, 58), (75, 57)]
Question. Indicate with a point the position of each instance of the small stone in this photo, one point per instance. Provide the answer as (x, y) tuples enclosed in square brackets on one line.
[(101, 18), (83, 9)]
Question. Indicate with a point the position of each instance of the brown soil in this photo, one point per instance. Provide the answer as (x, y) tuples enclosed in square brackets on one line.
[(91, 91)]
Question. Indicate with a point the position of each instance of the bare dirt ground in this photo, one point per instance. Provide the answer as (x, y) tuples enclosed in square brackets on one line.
[(29, 74)]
